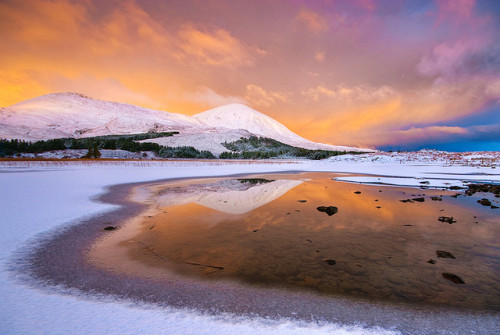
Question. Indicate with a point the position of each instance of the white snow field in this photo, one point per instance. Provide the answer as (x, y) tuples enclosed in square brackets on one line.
[(40, 197)]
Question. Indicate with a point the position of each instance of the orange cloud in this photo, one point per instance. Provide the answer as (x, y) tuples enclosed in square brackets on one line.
[(259, 97), (312, 21), (356, 93), (217, 47), (208, 97), (320, 56)]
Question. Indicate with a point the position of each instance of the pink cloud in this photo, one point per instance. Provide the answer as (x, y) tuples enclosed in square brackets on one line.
[(457, 10), (312, 21)]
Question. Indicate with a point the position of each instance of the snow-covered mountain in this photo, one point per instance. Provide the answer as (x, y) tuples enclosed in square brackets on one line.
[(59, 115), (239, 116)]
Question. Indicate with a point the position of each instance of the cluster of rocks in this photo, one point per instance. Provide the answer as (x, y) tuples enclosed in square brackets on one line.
[(419, 199), (446, 275), (485, 188)]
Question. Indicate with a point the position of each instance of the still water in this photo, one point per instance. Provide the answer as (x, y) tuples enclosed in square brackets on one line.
[(267, 231)]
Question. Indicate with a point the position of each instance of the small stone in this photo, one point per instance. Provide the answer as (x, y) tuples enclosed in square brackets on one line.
[(418, 199), (436, 199), (444, 254), (454, 278), (255, 230), (109, 228), (330, 261), (330, 210), (357, 192), (379, 207), (447, 219), (493, 207), (431, 261), (301, 200)]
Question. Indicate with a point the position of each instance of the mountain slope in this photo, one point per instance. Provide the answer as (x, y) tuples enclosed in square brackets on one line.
[(60, 115), (73, 115), (238, 116)]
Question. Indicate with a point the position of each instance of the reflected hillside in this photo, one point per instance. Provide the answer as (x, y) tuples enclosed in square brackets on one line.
[(230, 196)]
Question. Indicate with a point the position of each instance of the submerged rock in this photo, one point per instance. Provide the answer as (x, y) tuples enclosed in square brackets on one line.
[(454, 278), (444, 254), (330, 261), (330, 210), (436, 199)]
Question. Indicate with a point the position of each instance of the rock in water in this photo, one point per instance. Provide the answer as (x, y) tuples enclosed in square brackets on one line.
[(418, 199), (330, 210), (109, 228), (454, 278), (330, 261), (444, 254), (484, 202), (447, 219)]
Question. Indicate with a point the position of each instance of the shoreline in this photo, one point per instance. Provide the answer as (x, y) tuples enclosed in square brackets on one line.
[(61, 260)]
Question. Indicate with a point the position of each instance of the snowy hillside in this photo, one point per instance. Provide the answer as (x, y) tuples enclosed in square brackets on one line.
[(238, 116), (60, 115), (74, 115), (203, 140)]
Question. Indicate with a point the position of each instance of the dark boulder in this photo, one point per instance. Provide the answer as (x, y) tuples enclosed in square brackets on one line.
[(454, 278), (444, 254), (484, 202), (330, 210), (447, 219)]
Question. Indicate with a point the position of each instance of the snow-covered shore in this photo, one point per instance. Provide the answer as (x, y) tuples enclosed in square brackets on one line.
[(40, 197)]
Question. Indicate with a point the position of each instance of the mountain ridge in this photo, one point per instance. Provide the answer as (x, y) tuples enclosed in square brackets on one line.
[(68, 114)]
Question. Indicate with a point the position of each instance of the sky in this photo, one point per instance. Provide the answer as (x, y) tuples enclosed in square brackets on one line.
[(387, 74)]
